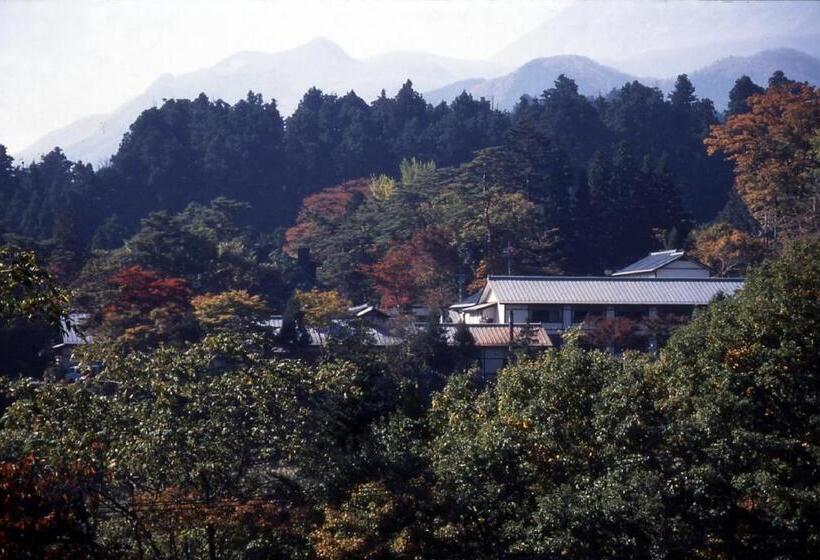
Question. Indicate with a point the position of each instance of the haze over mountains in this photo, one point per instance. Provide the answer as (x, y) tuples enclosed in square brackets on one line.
[(593, 43), (713, 81), (664, 39)]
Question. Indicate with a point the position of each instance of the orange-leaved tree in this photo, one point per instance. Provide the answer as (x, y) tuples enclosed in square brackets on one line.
[(46, 511), (321, 211), (726, 249), (320, 307), (776, 151), (230, 310), (420, 270)]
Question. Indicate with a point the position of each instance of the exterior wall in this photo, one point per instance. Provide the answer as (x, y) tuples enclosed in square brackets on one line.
[(492, 360), (683, 268), (485, 315)]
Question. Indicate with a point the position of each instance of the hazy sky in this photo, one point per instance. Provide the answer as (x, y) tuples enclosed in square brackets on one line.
[(62, 60)]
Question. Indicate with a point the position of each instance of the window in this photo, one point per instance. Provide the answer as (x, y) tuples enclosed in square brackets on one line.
[(634, 312), (587, 313), (518, 314), (552, 314)]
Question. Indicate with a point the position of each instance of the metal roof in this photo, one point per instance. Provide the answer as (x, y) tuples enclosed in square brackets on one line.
[(318, 337), (651, 262), (498, 335), (608, 290), (74, 335), (365, 309), (472, 299)]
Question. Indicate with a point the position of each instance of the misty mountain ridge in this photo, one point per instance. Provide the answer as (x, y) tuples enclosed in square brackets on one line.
[(287, 75), (533, 78), (284, 76), (712, 82), (668, 38)]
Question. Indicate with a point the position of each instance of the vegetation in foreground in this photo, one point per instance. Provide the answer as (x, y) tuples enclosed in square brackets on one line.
[(215, 450)]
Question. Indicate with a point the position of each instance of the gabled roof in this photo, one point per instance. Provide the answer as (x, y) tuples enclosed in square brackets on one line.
[(608, 290), (366, 309), (469, 301), (651, 262), (72, 332), (318, 337)]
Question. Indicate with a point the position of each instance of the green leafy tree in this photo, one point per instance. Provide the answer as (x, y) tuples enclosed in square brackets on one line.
[(742, 416)]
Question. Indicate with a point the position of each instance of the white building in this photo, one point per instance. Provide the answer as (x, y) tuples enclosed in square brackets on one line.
[(663, 283)]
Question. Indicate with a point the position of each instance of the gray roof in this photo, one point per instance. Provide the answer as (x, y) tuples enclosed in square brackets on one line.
[(318, 337), (72, 331), (651, 262), (472, 299), (608, 290), (365, 309)]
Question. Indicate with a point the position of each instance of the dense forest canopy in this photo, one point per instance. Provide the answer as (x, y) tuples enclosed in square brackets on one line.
[(398, 202)]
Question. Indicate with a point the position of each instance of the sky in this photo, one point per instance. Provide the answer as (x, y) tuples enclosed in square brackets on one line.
[(63, 60)]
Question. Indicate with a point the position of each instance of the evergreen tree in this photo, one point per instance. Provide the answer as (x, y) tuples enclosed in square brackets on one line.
[(464, 349), (778, 78), (110, 234), (683, 95), (743, 88), (293, 333)]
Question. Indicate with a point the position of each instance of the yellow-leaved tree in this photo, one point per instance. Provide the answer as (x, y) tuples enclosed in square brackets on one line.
[(319, 306)]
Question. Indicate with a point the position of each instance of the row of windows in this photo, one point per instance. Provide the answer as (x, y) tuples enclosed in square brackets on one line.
[(555, 313)]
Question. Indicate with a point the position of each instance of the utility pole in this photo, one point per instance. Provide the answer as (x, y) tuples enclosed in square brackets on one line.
[(508, 253)]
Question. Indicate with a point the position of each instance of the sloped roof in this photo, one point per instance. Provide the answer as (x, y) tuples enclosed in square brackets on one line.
[(366, 309), (318, 337), (608, 290), (74, 335), (498, 335), (651, 262), (470, 300)]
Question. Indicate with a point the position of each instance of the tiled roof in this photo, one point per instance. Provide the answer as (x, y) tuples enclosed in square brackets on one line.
[(498, 335), (651, 262), (609, 290)]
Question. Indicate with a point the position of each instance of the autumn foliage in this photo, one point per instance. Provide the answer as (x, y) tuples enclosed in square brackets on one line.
[(726, 249), (776, 151), (46, 512), (321, 209), (146, 305), (230, 309), (319, 307), (416, 270)]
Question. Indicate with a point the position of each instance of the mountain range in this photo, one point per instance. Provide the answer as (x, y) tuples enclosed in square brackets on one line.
[(668, 38), (601, 45), (284, 76), (713, 81)]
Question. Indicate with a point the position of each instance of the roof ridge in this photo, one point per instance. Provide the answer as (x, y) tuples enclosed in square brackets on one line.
[(614, 278)]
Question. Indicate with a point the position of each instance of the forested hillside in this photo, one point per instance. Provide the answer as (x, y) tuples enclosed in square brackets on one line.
[(606, 153), (395, 201)]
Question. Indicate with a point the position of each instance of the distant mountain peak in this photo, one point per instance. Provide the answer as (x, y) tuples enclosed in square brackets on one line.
[(324, 46)]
